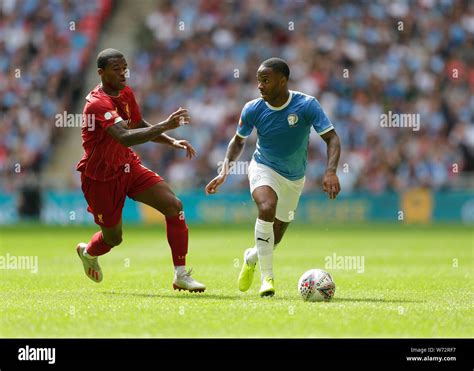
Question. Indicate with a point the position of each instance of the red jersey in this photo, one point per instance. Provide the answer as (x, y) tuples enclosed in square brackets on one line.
[(105, 158)]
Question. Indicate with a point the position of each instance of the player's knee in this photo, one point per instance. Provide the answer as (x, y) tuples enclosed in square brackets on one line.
[(178, 205), (114, 240), (267, 210), (174, 207)]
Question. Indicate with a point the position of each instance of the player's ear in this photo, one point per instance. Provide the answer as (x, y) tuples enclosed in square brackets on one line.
[(100, 71)]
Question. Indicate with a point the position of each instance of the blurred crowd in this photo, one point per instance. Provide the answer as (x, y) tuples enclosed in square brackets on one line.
[(44, 48), (360, 60)]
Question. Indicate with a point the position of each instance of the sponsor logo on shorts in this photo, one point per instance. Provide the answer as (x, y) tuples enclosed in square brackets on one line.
[(255, 179)]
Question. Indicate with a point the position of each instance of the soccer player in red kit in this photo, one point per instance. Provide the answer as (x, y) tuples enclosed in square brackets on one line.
[(110, 170)]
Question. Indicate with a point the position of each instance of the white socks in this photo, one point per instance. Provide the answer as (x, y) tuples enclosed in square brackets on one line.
[(264, 240), (179, 269), (252, 256)]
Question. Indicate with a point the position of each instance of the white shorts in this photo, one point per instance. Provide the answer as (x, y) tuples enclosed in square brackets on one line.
[(288, 191)]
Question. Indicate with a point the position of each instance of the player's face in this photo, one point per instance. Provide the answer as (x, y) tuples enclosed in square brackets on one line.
[(270, 83), (114, 74)]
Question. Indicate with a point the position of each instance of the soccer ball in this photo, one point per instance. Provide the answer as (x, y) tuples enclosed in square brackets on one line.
[(316, 285)]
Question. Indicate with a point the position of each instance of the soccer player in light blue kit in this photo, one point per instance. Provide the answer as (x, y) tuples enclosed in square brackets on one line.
[(283, 119)]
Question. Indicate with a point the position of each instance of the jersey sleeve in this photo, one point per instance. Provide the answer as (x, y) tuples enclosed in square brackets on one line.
[(103, 113), (318, 117), (135, 113), (245, 123)]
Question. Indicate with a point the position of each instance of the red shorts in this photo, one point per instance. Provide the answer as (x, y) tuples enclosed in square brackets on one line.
[(106, 199)]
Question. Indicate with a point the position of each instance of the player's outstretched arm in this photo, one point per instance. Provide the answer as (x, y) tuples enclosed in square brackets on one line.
[(234, 150), (175, 143), (330, 181), (130, 137)]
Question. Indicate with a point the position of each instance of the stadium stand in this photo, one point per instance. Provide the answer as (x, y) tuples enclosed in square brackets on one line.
[(359, 61), (45, 46)]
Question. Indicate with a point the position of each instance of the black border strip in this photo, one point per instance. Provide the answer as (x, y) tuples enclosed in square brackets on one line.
[(89, 353)]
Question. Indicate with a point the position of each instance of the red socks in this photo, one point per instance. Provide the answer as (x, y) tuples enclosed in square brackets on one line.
[(97, 246), (177, 233)]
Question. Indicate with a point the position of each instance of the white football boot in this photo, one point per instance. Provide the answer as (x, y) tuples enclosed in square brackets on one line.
[(246, 273), (267, 289), (184, 281), (90, 263)]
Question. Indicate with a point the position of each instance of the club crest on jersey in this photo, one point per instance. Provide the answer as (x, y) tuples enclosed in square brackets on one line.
[(292, 119)]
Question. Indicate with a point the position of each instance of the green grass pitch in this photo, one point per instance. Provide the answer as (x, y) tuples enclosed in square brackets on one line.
[(417, 282)]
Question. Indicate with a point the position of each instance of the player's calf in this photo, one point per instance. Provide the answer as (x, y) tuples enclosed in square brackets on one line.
[(112, 236), (114, 240)]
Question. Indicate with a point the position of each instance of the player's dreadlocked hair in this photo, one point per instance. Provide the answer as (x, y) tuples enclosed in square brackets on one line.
[(278, 65), (106, 54)]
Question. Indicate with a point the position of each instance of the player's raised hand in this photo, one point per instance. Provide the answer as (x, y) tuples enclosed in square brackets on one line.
[(184, 144), (214, 184), (331, 184), (178, 118)]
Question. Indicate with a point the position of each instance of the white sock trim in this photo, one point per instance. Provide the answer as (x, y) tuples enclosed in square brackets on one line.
[(264, 226), (179, 269), (264, 240), (252, 256)]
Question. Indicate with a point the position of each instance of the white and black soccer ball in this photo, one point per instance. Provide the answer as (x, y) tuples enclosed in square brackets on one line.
[(316, 285)]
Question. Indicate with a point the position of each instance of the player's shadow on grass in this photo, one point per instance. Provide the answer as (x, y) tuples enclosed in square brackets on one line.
[(183, 295), (198, 296), (375, 300)]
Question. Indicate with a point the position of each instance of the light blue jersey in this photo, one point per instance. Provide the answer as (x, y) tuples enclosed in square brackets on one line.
[(283, 132)]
